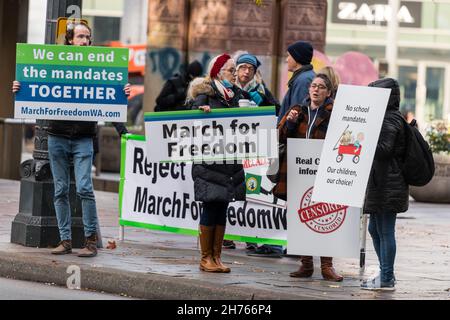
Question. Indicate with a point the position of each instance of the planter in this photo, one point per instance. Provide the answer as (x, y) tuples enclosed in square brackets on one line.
[(438, 189)]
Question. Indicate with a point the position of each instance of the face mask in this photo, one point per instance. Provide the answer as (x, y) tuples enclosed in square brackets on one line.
[(227, 84)]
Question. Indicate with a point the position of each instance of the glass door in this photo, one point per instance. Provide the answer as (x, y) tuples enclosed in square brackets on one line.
[(407, 79), (435, 89)]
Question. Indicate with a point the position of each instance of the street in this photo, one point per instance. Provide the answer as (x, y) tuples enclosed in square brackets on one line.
[(24, 290)]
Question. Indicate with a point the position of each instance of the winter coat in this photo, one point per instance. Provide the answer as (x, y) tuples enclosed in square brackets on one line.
[(173, 94), (298, 89), (387, 191), (72, 129), (217, 182), (298, 130)]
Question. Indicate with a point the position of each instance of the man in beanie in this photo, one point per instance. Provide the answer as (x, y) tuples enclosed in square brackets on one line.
[(173, 94), (249, 79), (299, 56)]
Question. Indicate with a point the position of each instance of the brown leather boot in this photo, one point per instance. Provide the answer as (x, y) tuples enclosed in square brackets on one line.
[(206, 245), (90, 248), (306, 269), (64, 247), (328, 272), (217, 248)]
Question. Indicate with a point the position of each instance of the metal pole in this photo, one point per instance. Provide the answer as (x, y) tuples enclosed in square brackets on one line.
[(362, 251), (121, 233), (392, 39)]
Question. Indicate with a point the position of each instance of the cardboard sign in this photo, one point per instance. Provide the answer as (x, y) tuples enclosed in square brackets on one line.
[(160, 196), (218, 136), (350, 145), (316, 228), (78, 83)]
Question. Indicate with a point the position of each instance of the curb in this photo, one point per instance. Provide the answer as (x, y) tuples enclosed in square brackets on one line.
[(132, 284)]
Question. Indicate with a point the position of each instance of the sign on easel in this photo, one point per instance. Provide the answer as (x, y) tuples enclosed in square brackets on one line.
[(350, 145), (316, 228)]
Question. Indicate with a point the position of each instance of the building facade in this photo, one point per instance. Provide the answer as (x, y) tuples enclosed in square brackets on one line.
[(423, 48)]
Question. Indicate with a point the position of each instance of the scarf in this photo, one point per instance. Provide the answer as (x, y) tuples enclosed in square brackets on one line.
[(226, 93)]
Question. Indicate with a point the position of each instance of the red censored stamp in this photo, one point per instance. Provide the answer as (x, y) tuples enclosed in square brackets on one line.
[(321, 217)]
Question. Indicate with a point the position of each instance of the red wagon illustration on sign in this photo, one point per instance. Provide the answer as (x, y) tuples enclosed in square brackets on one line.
[(348, 145), (350, 150)]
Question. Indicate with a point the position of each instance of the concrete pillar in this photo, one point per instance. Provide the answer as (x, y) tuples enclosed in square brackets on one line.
[(301, 20), (166, 45), (392, 39), (133, 27), (13, 29), (231, 25)]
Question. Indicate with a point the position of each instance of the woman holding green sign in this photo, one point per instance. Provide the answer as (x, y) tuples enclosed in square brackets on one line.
[(217, 184)]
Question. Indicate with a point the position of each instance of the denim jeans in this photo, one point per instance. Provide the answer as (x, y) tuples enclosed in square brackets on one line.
[(60, 151), (382, 230), (214, 213)]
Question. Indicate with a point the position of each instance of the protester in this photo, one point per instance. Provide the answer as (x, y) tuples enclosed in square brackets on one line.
[(173, 94), (308, 121), (299, 56), (249, 79), (387, 191), (67, 141), (334, 78), (216, 184)]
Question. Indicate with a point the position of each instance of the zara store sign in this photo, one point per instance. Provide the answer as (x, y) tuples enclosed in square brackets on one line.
[(376, 12)]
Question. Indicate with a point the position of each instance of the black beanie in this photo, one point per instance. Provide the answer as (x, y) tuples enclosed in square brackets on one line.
[(195, 69), (301, 51)]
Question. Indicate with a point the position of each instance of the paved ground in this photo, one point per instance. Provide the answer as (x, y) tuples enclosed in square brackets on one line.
[(25, 290), (161, 265)]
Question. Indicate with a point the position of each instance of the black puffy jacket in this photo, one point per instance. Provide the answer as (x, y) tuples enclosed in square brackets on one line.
[(387, 191), (217, 182), (173, 94)]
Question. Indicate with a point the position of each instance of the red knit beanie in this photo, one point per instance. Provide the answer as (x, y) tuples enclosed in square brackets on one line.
[(218, 64)]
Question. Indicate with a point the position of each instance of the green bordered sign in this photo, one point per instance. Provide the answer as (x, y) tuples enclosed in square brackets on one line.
[(220, 135), (160, 196), (79, 83)]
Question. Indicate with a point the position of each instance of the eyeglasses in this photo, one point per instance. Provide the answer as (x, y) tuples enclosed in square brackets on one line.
[(249, 68), (320, 86), (232, 70)]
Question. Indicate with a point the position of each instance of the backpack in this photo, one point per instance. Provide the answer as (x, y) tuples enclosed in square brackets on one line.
[(418, 163)]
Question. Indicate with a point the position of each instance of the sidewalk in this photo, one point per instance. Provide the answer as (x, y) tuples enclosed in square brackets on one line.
[(157, 265)]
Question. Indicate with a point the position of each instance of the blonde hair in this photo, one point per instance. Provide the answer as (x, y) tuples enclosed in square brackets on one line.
[(194, 83), (333, 76)]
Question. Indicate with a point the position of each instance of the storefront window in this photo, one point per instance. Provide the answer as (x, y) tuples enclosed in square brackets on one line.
[(435, 93), (408, 83)]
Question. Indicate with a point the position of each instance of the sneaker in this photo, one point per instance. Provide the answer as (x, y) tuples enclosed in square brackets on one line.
[(228, 244), (64, 247), (375, 284)]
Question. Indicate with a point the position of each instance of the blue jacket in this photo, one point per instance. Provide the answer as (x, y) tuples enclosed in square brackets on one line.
[(298, 89)]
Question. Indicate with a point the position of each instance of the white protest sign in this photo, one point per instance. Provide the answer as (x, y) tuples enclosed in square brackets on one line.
[(350, 145), (317, 229), (160, 196), (220, 135)]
